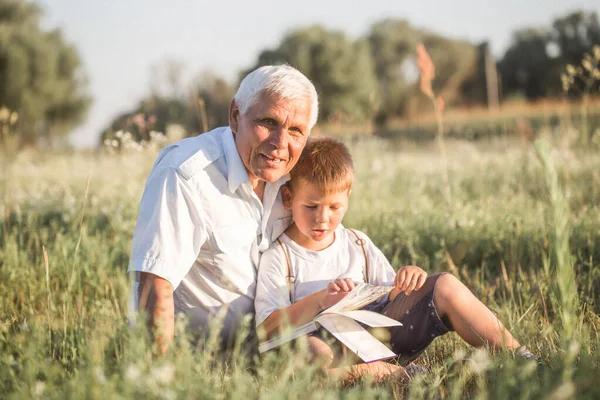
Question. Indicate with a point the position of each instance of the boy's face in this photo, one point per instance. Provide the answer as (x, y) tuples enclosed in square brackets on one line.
[(316, 215)]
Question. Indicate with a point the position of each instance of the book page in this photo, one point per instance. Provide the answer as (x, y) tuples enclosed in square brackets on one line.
[(286, 336), (355, 337), (370, 318), (359, 297)]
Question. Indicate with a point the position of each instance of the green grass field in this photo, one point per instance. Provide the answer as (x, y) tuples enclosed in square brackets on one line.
[(520, 235)]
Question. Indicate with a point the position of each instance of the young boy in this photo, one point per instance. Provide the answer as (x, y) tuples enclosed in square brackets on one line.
[(316, 262)]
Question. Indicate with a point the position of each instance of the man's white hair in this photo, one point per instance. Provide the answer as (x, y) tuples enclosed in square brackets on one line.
[(280, 80)]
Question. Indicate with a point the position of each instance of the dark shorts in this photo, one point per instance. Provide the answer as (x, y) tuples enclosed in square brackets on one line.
[(421, 323)]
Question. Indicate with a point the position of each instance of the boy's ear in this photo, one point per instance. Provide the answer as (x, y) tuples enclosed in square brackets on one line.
[(286, 197)]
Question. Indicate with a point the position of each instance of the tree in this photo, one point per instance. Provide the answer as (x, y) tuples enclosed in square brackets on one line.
[(204, 107), (534, 61), (341, 70), (393, 44), (40, 73)]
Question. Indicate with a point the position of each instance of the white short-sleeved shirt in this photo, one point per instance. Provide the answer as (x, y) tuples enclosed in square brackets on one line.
[(201, 227), (313, 270)]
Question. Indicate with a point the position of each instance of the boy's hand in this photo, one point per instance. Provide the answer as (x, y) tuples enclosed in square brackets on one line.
[(336, 291), (410, 278)]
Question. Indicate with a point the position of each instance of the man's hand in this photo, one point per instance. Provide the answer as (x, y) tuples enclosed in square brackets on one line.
[(155, 296), (336, 291), (409, 278)]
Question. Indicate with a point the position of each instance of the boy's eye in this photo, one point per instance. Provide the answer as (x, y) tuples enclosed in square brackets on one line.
[(311, 207)]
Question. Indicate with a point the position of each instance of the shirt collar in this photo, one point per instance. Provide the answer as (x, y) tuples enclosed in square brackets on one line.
[(236, 171)]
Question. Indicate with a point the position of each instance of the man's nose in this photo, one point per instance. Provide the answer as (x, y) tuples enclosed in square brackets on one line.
[(279, 137)]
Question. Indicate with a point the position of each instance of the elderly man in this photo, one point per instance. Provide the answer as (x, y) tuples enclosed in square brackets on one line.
[(212, 203)]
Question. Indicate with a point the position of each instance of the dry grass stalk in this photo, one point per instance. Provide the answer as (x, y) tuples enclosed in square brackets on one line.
[(426, 75)]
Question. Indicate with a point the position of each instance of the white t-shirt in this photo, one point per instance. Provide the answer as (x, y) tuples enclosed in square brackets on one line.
[(201, 227), (313, 270)]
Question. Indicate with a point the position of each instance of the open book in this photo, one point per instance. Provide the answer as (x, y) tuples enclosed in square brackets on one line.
[(341, 321)]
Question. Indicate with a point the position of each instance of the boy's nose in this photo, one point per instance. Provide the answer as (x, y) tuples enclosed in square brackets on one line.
[(322, 217)]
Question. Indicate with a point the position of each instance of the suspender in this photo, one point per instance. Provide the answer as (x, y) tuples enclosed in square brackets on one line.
[(361, 243), (291, 279)]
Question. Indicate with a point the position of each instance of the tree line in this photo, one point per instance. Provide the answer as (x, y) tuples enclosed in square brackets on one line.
[(371, 79)]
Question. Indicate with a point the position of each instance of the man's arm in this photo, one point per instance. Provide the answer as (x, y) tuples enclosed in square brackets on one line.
[(156, 299)]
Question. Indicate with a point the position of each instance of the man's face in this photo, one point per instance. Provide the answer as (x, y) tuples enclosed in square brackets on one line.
[(271, 135)]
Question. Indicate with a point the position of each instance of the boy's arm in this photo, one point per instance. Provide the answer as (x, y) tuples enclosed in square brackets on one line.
[(306, 310), (407, 279), (297, 314)]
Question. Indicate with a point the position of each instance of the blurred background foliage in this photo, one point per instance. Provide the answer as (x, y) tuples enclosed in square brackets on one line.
[(368, 81), (40, 75)]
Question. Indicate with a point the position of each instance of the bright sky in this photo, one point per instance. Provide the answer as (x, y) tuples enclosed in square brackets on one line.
[(120, 40)]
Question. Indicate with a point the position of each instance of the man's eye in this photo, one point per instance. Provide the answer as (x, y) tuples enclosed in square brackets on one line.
[(268, 121)]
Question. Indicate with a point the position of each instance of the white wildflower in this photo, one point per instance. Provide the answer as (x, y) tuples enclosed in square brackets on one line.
[(39, 388), (133, 373), (162, 374), (99, 374), (480, 361)]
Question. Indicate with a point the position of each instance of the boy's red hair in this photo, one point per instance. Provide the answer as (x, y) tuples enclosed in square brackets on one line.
[(324, 162)]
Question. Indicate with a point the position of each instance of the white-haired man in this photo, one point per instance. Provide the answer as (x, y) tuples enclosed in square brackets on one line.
[(212, 203)]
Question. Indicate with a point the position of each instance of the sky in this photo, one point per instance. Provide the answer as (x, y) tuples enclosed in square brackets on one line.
[(120, 41)]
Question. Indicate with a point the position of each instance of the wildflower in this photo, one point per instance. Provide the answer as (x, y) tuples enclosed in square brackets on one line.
[(571, 70), (426, 70), (480, 361), (4, 113), (162, 374), (565, 82), (13, 118), (39, 388), (99, 374), (596, 51), (587, 64), (133, 373)]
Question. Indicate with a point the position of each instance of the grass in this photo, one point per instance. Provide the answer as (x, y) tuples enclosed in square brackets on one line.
[(517, 231)]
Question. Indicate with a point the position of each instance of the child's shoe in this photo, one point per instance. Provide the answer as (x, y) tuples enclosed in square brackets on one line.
[(524, 353)]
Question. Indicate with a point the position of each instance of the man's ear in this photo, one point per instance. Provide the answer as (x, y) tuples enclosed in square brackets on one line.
[(234, 114), (286, 197)]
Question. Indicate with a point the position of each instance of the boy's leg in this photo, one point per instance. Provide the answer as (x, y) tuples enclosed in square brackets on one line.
[(468, 316), (321, 352), (378, 370), (419, 317), (340, 363)]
